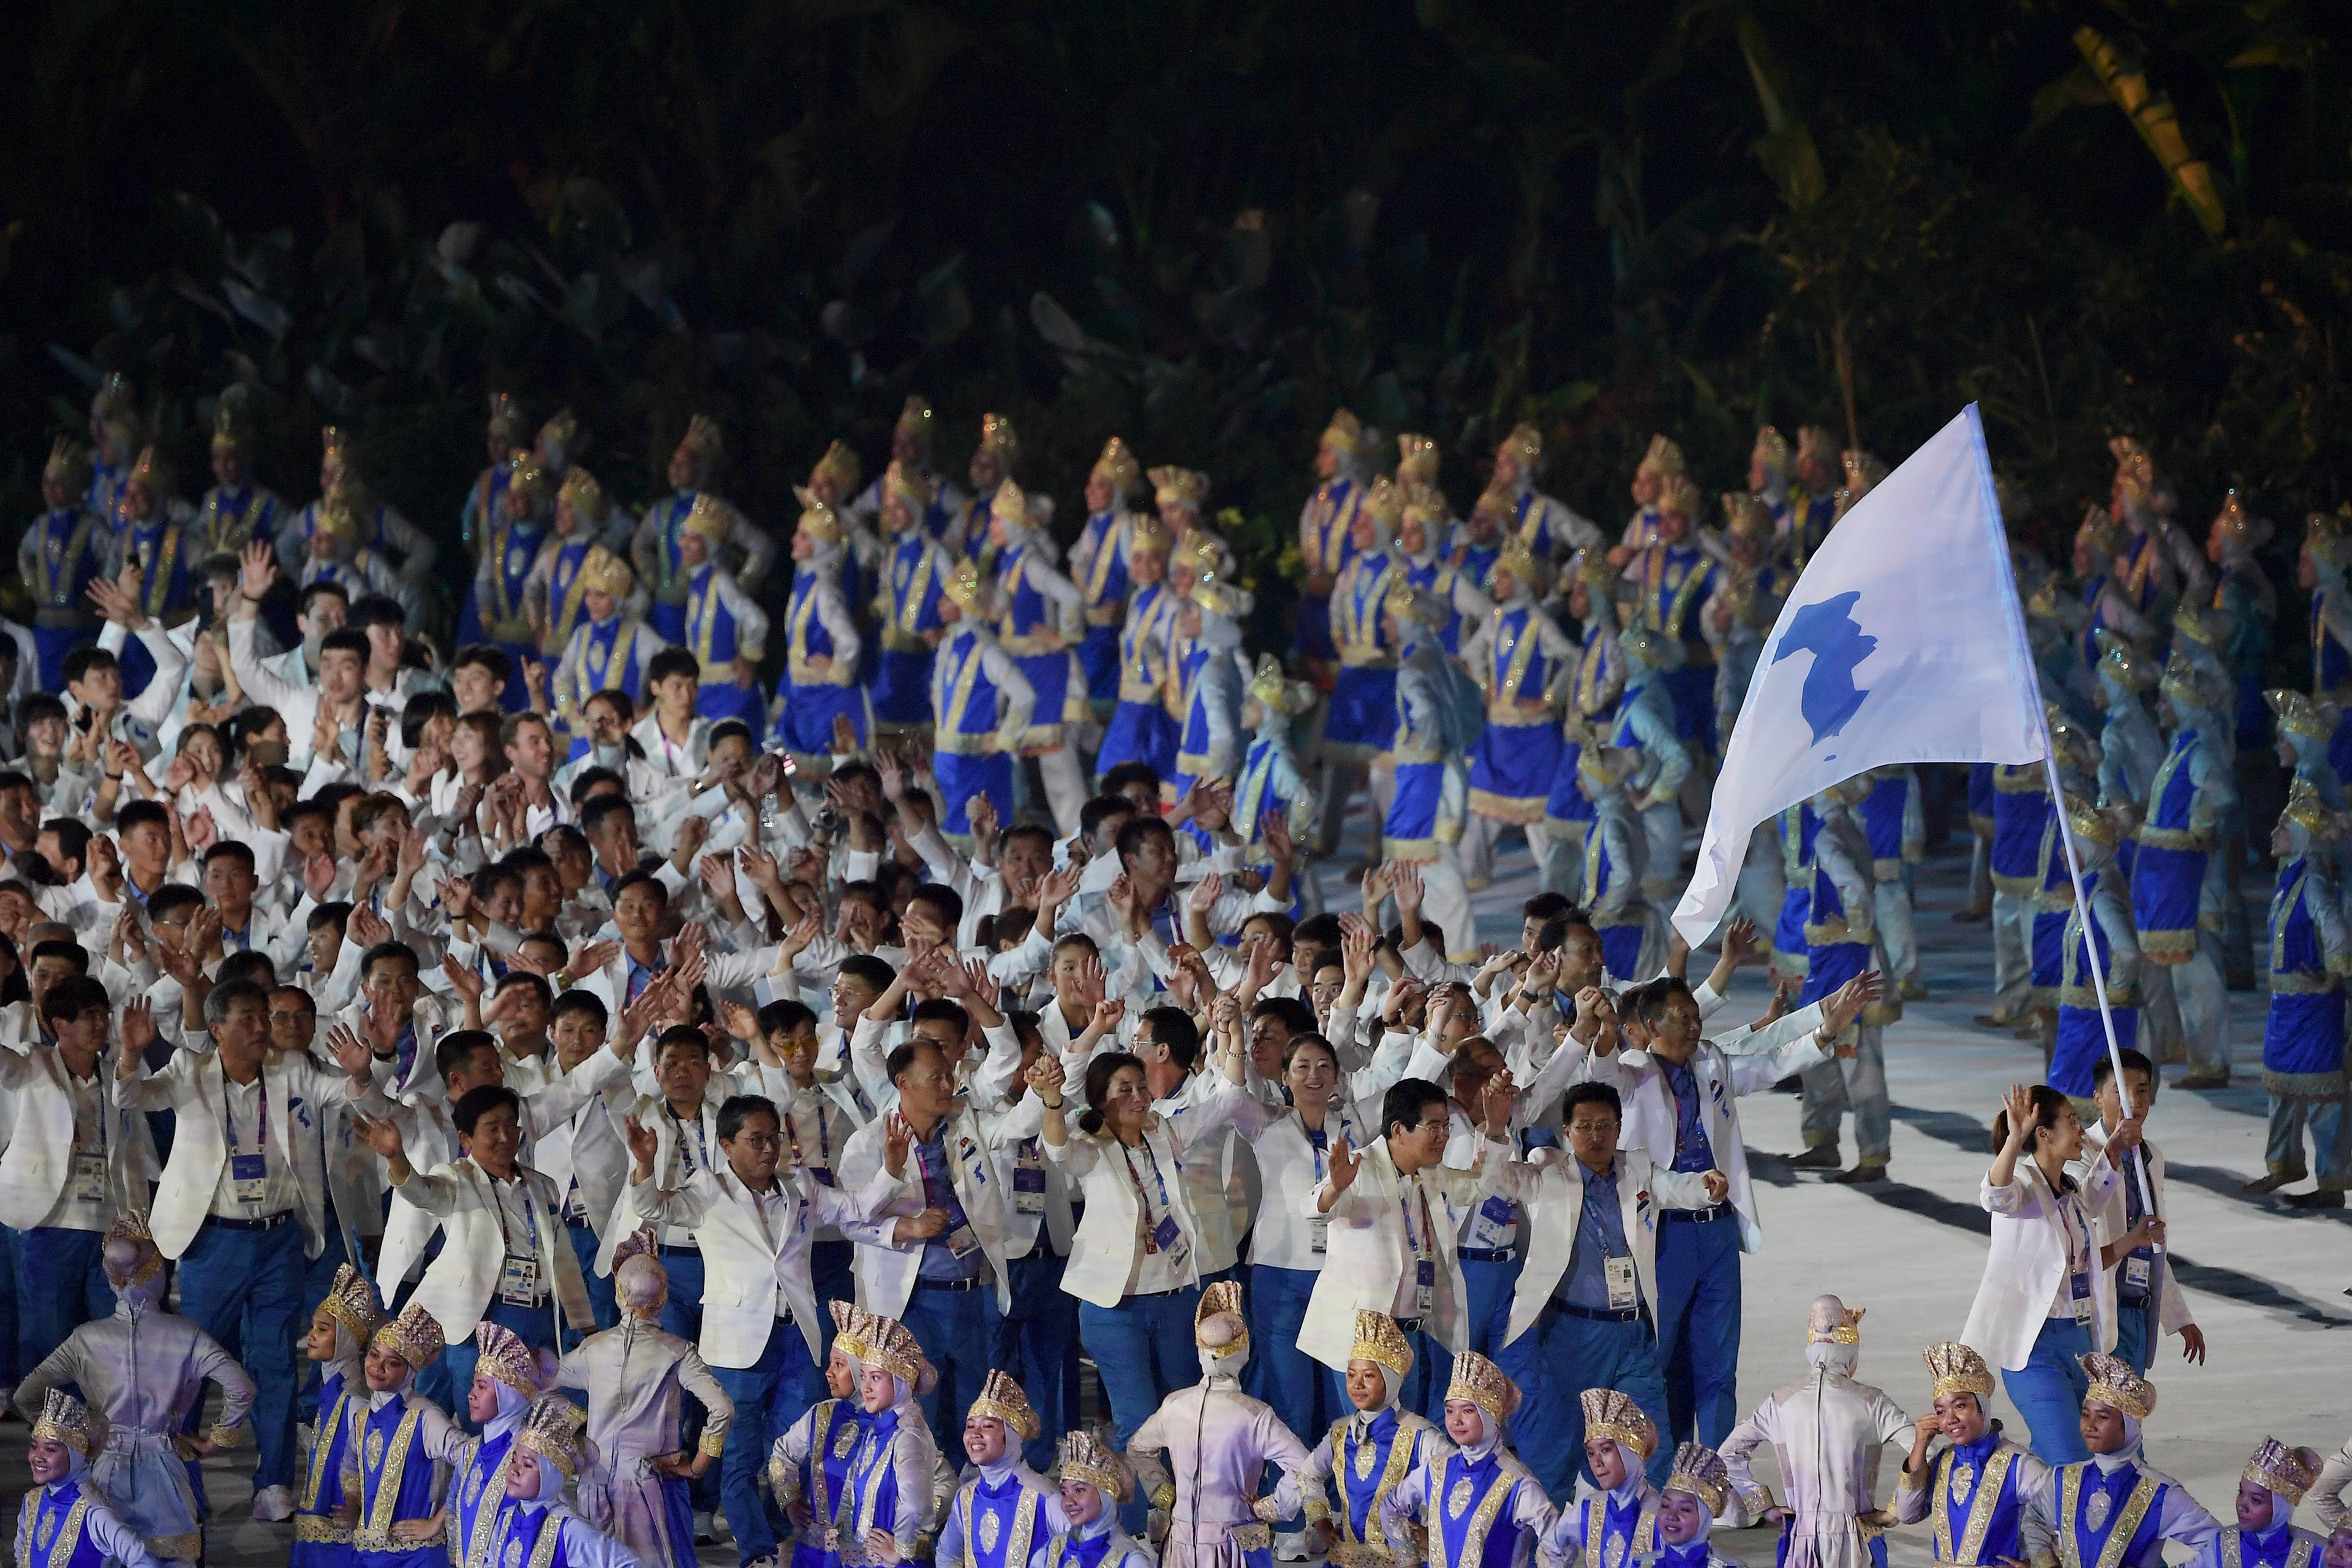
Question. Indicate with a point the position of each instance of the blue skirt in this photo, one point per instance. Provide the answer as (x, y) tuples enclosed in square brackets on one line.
[(670, 620), (1098, 657), (806, 723), (1362, 720), (902, 688), (1566, 802), (53, 643), (1138, 733), (2305, 1034), (1981, 792), (2083, 1045), (1830, 966), (2049, 953), (1694, 694), (1621, 952), (961, 777), (725, 699), (2165, 892), (1314, 629), (1058, 681), (1788, 935), (1412, 826), (1513, 768)]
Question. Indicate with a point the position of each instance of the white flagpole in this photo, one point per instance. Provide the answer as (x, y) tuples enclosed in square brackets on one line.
[(2090, 940)]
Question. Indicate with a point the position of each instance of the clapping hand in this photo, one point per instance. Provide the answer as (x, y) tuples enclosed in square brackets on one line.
[(1344, 1165)]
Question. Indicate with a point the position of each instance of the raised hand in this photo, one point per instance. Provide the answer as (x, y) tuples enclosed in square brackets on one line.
[(642, 1141), (380, 1135), (138, 1029), (1354, 951), (1344, 1165), (1404, 882), (351, 1053), (1205, 894), (366, 928), (1495, 1101), (1274, 831), (759, 866), (464, 979), (1739, 941), (591, 957), (1846, 1003), (897, 1137), (256, 570), (201, 831), (1046, 1074), (2022, 1118), (740, 1021)]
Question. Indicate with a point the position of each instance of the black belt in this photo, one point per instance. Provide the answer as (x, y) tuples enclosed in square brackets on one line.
[(1706, 1216), (1409, 1325), (684, 1249), (974, 1283), (1598, 1315), (2140, 1301), (1487, 1254), (579, 1222), (267, 1222), (1153, 1295)]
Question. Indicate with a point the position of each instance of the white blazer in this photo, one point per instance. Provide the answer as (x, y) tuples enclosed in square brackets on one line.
[(1103, 1252), (40, 1150), (459, 1283), (1288, 1164), (191, 1087), (2027, 1264), (887, 1273), (1785, 1046), (752, 1277), (586, 1147), (1368, 1253), (1550, 1183), (2110, 1220)]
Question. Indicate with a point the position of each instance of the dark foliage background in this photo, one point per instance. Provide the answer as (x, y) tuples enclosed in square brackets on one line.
[(1197, 223)]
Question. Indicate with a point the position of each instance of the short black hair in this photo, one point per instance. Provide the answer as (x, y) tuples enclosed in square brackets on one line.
[(1648, 1001), (72, 953), (640, 878), (1092, 815), (1591, 1093), (226, 849), (379, 610), (940, 1010), (1126, 773), (1405, 1100), (1546, 906), (384, 949), (594, 778), (252, 964), (942, 900), (1316, 931), (421, 709), (875, 972), (904, 1056), (1177, 1030), (731, 729), (580, 1000), (40, 705), (336, 915), (592, 814), (738, 1108), (458, 1047), (346, 639), (83, 660), (310, 592), (528, 982), (1297, 1016), (73, 996), (223, 997), (480, 1101), (2102, 1067), (489, 657), (140, 814), (1135, 830), (682, 1035), (672, 660), (787, 1018)]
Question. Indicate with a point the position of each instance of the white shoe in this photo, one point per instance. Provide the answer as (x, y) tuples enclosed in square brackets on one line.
[(273, 1505), (1290, 1546)]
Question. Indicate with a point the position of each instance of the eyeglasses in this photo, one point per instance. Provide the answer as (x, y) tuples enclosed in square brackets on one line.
[(760, 1142)]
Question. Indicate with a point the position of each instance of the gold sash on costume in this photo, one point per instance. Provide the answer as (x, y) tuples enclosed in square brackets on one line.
[(1980, 1506), (2120, 1529), (1474, 1534)]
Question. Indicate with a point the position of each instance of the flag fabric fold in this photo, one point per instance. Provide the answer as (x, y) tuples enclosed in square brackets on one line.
[(1902, 642)]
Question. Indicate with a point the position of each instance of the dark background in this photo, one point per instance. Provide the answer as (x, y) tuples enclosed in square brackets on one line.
[(1199, 223)]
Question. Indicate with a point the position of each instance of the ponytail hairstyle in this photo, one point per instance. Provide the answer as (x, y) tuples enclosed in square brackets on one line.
[(2047, 1103), (1099, 1069)]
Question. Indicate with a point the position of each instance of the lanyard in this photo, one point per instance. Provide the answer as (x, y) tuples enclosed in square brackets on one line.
[(1317, 1138), (1423, 1242), (229, 1116), (530, 1217), (687, 1155), (824, 1140), (1157, 1179)]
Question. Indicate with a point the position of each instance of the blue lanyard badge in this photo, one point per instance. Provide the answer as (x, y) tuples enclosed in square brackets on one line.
[(248, 1174)]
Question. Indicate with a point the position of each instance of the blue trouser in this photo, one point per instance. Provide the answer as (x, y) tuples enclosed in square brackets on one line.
[(682, 1315), (1580, 1352), (1491, 1283), (534, 1326), (1040, 1340), (1698, 1323), (60, 1285), (1142, 1350), (9, 1371), (2048, 1391), (830, 1272), (602, 1305), (958, 1330), (1294, 1383), (243, 1288), (770, 1396), (2137, 1332)]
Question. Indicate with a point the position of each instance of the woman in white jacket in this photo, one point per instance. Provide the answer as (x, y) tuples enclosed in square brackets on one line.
[(1133, 1263), (2047, 1298)]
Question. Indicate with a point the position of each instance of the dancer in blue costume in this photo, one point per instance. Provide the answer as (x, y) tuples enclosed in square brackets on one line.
[(984, 702), (910, 453), (381, 528), (1270, 781), (2114, 1508), (653, 548), (397, 1438), (832, 482), (65, 550), (340, 1331), (2081, 1042), (152, 560), (1098, 565), (724, 630), (885, 1502), (1647, 727), (1365, 1456), (1524, 666), (508, 1375), (1094, 1482), (1841, 943), (2276, 1479), (2303, 1039), (1480, 1506), (1361, 723), (1661, 462), (1692, 1498), (65, 1522), (504, 433), (911, 574), (555, 594), (2174, 901), (498, 607), (993, 461), (609, 649), (1974, 1492), (810, 1462), (1674, 578), (1327, 536), (1140, 730), (533, 1526), (1204, 689), (1041, 617), (235, 509), (1000, 1516)]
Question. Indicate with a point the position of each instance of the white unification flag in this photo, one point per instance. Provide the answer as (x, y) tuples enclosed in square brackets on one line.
[(1902, 642)]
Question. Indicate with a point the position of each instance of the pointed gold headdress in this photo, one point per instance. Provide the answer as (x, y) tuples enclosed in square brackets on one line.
[(68, 1421), (891, 1346), (2308, 812), (1180, 486), (129, 1255), (1417, 459), (1954, 1368), (352, 1302), (1815, 445), (962, 585), (1773, 448), (2114, 1384), (1381, 1342), (506, 419), (152, 473), (1699, 1471), (1482, 1383), (2289, 1472), (415, 1336), (525, 473), (915, 420), (1278, 697), (911, 489), (557, 1431), (841, 465), (1001, 1399), (1662, 459), (702, 438), (1345, 433), (818, 520), (605, 573), (1525, 443), (230, 431), (712, 519), (1117, 465), (583, 495), (997, 435), (1086, 1457), (504, 1356), (68, 462), (1747, 517), (1610, 1413)]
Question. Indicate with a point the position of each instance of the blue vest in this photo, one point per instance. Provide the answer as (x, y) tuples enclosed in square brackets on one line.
[(961, 677), (2331, 661), (869, 1491), (477, 1493), (1881, 815), (1515, 629), (1367, 1470), (322, 1480), (2302, 1034), (1195, 712), (605, 664), (62, 580), (1106, 579), (2133, 1503), (710, 625), (49, 1531), (1976, 1508), (395, 1476), (1000, 1523), (512, 549), (913, 586), (1025, 609), (1468, 1518), (562, 612)]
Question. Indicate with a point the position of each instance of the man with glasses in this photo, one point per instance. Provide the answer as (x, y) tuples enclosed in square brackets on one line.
[(1390, 1243)]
